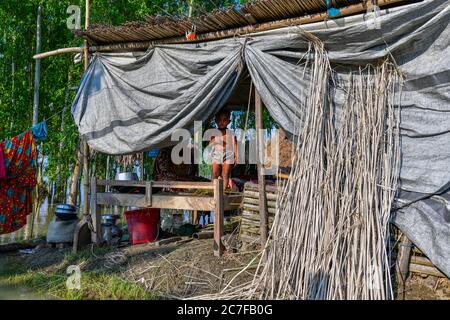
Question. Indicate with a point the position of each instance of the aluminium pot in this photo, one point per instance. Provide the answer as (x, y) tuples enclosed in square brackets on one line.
[(127, 176)]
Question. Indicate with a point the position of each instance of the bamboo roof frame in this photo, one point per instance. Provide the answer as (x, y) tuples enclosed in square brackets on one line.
[(117, 46)]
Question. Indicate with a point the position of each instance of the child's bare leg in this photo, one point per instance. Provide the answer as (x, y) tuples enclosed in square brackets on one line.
[(216, 170), (226, 174)]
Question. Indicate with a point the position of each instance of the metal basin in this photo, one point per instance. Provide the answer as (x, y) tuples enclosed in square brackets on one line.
[(126, 176)]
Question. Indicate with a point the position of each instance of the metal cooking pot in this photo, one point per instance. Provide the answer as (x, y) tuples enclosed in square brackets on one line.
[(66, 212), (126, 176), (66, 208)]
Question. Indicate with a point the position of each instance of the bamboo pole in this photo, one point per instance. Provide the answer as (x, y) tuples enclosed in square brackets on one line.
[(260, 163), (191, 7), (37, 73), (85, 145), (230, 33), (37, 76), (57, 52)]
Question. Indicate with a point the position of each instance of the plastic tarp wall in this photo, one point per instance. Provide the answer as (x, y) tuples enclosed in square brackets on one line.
[(130, 102)]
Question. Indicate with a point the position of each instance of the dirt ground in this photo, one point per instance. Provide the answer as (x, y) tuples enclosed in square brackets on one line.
[(178, 270), (185, 269), (422, 287)]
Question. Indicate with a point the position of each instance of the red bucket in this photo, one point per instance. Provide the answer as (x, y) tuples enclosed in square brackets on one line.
[(143, 225)]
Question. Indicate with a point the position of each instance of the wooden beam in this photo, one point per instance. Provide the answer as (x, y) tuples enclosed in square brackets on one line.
[(422, 269), (218, 217), (260, 163), (95, 214), (58, 51), (158, 184), (161, 201), (246, 30)]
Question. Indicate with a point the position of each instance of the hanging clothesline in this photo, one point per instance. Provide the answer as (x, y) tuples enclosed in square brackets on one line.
[(19, 164)]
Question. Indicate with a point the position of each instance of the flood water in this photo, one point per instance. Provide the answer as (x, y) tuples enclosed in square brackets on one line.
[(19, 293), (46, 214), (41, 221)]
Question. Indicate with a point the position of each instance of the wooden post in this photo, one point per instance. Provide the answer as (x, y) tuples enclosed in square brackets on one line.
[(403, 260), (148, 193), (218, 217), (95, 214), (263, 227), (85, 145)]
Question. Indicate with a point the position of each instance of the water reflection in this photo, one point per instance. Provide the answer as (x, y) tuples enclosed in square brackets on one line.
[(19, 293), (45, 215)]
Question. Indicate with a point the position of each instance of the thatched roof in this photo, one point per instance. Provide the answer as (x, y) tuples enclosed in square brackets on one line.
[(163, 27)]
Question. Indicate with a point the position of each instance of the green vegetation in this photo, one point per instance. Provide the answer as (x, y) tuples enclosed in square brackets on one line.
[(96, 284), (59, 74)]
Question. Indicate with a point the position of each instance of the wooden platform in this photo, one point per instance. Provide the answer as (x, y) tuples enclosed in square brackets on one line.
[(217, 201), (182, 201)]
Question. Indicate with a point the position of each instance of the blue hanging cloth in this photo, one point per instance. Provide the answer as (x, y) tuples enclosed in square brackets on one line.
[(331, 11), (40, 131)]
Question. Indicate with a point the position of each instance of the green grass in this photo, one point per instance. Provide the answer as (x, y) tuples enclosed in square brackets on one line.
[(94, 286), (51, 282), (10, 265)]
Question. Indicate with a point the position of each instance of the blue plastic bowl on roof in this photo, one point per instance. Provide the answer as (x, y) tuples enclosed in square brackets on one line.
[(153, 153)]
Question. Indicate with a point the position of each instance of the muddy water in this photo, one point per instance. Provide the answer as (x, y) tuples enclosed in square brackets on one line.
[(19, 293), (41, 222)]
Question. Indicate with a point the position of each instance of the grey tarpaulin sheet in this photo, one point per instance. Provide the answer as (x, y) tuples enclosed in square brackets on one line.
[(129, 102)]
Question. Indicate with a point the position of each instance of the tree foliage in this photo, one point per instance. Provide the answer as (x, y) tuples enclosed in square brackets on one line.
[(59, 74)]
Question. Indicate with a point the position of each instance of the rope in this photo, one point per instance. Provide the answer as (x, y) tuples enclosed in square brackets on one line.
[(54, 115)]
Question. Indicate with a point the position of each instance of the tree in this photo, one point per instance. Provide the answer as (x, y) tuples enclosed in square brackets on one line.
[(59, 73)]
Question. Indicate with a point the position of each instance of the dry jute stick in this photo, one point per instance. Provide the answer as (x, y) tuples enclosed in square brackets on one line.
[(329, 239)]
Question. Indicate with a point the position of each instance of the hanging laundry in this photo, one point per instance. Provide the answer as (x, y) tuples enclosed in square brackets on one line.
[(40, 131), (2, 165), (15, 189)]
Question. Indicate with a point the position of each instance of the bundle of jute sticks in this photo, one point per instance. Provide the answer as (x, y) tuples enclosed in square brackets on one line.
[(329, 239)]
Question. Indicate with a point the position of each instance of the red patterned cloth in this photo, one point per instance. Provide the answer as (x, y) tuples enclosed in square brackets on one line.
[(2, 165), (15, 190)]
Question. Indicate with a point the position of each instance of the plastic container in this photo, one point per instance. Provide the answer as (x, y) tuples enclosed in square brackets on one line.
[(143, 225), (107, 232), (166, 220)]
